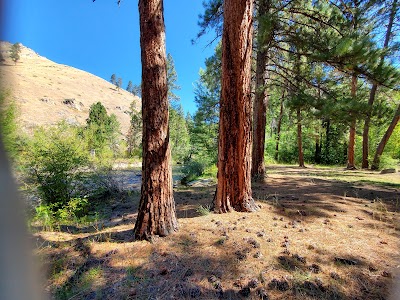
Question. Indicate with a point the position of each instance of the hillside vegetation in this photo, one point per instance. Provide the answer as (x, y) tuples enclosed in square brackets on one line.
[(47, 92)]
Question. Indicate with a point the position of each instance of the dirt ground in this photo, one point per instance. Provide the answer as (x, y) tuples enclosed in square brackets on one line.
[(320, 233)]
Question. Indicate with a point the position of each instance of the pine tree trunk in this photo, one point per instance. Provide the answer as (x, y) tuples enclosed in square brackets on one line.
[(300, 139), (261, 97), (318, 146), (278, 135), (372, 94), (352, 135), (156, 215), (327, 159), (259, 117), (367, 121), (235, 130), (385, 138)]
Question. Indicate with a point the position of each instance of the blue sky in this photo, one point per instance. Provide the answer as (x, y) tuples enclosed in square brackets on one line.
[(102, 38)]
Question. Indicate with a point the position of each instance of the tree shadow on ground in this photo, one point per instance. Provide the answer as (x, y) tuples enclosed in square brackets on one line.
[(192, 270), (364, 279), (309, 198), (198, 271)]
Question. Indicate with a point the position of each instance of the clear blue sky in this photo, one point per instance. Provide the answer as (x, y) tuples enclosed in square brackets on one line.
[(102, 38)]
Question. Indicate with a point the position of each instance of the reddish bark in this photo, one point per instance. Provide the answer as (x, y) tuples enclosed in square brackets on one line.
[(259, 117), (385, 138), (300, 139), (352, 135), (374, 88), (156, 215), (278, 134), (235, 128)]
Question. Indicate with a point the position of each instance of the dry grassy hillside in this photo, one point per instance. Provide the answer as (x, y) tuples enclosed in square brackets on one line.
[(47, 92)]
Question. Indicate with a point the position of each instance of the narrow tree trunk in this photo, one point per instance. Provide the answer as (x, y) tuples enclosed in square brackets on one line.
[(367, 121), (261, 95), (259, 117), (327, 141), (278, 135), (300, 139), (235, 134), (374, 88), (156, 215), (352, 135), (317, 156), (385, 138)]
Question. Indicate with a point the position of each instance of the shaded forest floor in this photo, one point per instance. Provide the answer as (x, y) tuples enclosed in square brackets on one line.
[(320, 233)]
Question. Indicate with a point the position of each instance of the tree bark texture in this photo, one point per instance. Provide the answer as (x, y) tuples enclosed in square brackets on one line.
[(352, 134), (260, 117), (300, 138), (371, 100), (385, 138), (235, 128), (367, 121), (156, 215), (261, 95), (278, 134)]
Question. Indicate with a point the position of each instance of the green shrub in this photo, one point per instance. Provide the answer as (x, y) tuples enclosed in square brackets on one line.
[(387, 162), (54, 161), (203, 210), (45, 216), (8, 125), (75, 209), (193, 169)]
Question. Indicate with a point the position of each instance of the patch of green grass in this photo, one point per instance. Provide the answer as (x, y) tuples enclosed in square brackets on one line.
[(204, 210), (90, 277)]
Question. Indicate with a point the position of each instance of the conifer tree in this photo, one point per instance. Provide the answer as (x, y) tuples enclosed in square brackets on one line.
[(129, 87), (385, 138), (113, 79), (119, 83), (265, 36), (235, 128), (15, 52), (156, 214), (172, 79), (388, 37)]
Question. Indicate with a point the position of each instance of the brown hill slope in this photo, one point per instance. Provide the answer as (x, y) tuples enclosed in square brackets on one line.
[(47, 92)]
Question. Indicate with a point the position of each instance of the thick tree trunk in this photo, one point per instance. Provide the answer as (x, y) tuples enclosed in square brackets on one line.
[(278, 135), (235, 134), (352, 135), (156, 215), (374, 88), (385, 138), (300, 139), (260, 117)]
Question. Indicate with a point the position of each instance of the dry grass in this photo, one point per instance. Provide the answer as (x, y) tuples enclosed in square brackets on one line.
[(311, 239), (39, 86)]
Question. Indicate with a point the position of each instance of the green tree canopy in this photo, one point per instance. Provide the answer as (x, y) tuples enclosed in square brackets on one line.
[(15, 51)]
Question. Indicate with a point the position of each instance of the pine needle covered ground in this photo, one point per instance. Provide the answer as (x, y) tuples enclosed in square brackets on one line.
[(319, 234)]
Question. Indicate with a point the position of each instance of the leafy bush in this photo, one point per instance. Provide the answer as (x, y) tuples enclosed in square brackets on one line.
[(387, 162), (179, 135), (73, 211), (76, 208), (8, 126), (55, 162), (102, 130), (45, 216), (194, 169)]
